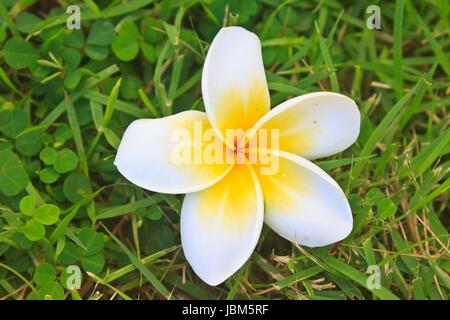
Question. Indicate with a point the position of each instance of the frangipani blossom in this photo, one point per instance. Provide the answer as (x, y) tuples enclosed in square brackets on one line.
[(226, 203)]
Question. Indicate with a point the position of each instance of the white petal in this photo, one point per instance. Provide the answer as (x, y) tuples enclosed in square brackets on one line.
[(234, 85), (303, 203), (220, 225), (314, 125), (147, 155)]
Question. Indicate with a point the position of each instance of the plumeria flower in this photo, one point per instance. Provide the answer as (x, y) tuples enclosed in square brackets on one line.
[(227, 202)]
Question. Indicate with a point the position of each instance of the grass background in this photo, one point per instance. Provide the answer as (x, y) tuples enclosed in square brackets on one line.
[(66, 97)]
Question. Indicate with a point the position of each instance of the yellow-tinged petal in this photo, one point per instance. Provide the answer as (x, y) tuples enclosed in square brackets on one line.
[(314, 125), (220, 225), (233, 81), (168, 154), (303, 203)]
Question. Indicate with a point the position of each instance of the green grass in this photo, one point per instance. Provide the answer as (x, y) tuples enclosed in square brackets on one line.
[(66, 98)]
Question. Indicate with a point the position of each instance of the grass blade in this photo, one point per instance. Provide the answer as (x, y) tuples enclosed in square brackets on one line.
[(139, 265)]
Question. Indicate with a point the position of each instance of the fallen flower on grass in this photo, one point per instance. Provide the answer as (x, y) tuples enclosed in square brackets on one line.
[(227, 201)]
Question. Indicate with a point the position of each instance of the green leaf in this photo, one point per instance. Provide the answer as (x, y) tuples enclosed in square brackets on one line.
[(51, 291), (124, 107), (22, 241), (130, 88), (76, 133), (126, 46), (112, 138), (97, 52), (48, 155), (27, 205), (19, 53), (70, 253), (148, 103), (102, 33), (29, 144), (154, 213), (75, 38), (13, 122), (44, 273), (374, 196), (13, 177), (26, 21), (155, 236), (66, 160), (210, 14), (298, 276), (129, 29), (4, 16), (172, 33), (327, 57), (386, 208), (73, 79), (93, 6), (47, 214), (71, 58), (94, 263), (48, 175), (33, 230), (149, 52), (331, 164), (76, 187), (59, 231), (149, 33), (92, 240), (111, 102), (131, 207), (63, 132), (12, 181)]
